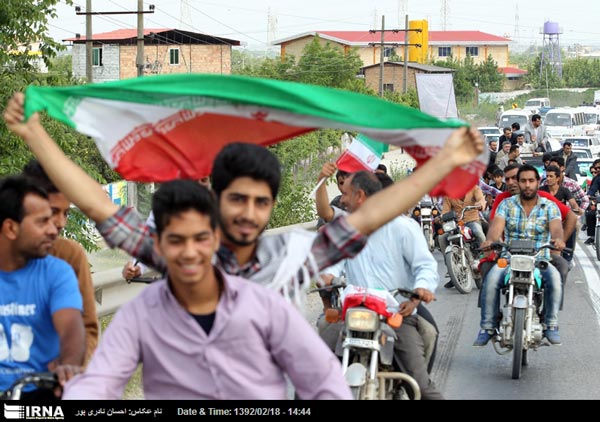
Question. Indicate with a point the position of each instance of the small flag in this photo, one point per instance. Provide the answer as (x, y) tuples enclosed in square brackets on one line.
[(362, 154)]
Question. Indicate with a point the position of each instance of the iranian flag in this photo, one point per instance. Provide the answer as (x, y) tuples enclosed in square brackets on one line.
[(165, 127), (362, 154)]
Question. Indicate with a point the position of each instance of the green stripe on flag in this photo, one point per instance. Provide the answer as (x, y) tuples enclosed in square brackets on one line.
[(377, 147), (211, 90)]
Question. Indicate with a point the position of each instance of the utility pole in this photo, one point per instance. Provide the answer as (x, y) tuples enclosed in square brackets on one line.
[(89, 42), (382, 43), (139, 61)]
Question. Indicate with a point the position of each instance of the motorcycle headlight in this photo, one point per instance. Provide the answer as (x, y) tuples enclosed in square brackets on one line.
[(448, 226), (426, 211), (522, 263), (362, 320)]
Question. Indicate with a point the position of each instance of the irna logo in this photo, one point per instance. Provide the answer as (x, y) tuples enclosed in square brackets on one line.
[(33, 412)]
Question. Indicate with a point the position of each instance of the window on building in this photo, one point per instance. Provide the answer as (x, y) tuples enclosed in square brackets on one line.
[(388, 87), (444, 51), (473, 51), (174, 56), (388, 52), (97, 56)]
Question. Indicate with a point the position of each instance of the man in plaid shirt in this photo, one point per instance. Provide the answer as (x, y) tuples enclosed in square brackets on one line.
[(524, 216), (246, 180), (580, 197)]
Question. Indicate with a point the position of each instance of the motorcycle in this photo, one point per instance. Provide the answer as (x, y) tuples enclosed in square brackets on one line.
[(366, 342), (461, 252), (425, 214), (41, 380), (520, 328)]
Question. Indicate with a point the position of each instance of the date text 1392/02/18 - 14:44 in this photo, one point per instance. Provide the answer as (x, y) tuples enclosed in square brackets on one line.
[(244, 411)]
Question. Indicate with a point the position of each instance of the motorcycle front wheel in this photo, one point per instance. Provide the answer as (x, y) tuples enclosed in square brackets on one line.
[(460, 274), (519, 330), (428, 238)]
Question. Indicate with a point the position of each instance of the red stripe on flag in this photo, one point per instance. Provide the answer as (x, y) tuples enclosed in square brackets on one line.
[(149, 153), (458, 182), (350, 163)]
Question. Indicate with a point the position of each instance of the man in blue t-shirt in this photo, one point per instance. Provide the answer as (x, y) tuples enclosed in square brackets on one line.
[(41, 326)]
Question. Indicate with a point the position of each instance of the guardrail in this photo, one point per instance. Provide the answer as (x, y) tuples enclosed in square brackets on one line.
[(112, 291)]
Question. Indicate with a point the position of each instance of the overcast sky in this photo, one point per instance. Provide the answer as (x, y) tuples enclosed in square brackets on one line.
[(248, 20)]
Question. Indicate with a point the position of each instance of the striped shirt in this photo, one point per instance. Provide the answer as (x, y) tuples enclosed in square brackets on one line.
[(336, 241)]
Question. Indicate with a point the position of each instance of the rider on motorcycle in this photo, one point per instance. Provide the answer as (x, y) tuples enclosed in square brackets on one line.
[(524, 216), (471, 218), (396, 256)]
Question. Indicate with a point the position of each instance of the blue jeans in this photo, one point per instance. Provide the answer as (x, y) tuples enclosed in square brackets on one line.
[(490, 296)]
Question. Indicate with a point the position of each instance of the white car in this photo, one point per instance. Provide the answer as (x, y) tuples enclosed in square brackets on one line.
[(490, 130), (591, 142)]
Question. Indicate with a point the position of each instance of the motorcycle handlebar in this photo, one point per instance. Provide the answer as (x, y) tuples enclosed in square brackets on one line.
[(42, 380), (468, 208), (501, 245)]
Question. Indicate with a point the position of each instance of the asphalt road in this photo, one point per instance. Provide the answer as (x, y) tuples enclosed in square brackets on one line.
[(569, 371)]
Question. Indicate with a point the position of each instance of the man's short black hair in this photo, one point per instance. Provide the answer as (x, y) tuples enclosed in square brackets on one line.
[(34, 170), (555, 170), (13, 191), (511, 167), (547, 156), (366, 181), (245, 160), (513, 148), (528, 167), (497, 172), (382, 167), (179, 196), (536, 117), (515, 126), (384, 179), (558, 160), (567, 144), (341, 173)]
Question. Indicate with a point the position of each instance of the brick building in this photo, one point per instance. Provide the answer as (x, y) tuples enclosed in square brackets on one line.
[(393, 75), (166, 51)]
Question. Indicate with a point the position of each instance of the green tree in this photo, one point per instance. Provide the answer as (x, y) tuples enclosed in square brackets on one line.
[(24, 22), (548, 77)]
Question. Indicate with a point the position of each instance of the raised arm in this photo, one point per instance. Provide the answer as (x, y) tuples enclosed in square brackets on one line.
[(67, 176), (462, 147), (324, 210)]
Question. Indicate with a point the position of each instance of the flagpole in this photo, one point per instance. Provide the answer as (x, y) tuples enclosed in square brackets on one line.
[(314, 191)]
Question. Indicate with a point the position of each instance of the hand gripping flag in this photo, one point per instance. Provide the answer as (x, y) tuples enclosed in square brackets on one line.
[(165, 127)]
